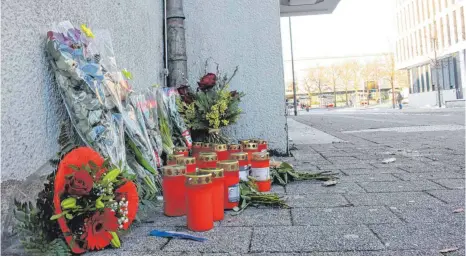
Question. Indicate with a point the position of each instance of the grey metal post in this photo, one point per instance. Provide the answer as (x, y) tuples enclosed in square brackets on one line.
[(295, 104), (177, 60)]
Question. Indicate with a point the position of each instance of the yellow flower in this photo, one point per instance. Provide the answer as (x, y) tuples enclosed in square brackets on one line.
[(87, 31)]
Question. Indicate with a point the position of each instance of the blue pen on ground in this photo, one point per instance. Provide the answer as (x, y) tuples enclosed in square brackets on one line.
[(179, 235)]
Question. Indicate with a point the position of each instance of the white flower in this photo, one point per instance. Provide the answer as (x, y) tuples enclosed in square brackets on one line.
[(121, 226), (123, 199)]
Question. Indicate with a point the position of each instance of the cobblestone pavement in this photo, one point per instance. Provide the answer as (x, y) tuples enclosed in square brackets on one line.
[(409, 207)]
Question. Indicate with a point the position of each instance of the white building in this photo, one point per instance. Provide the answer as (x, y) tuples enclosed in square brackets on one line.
[(429, 30)]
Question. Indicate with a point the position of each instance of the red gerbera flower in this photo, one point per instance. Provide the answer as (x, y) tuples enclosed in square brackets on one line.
[(97, 229), (130, 193), (77, 157)]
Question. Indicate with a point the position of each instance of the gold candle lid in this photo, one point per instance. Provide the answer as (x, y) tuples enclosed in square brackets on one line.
[(197, 144), (180, 149), (243, 142), (259, 141), (207, 156), (254, 140), (260, 156), (234, 147), (251, 146), (206, 145), (174, 157), (173, 170), (228, 165), (216, 172), (198, 178), (241, 156), (186, 160), (220, 147)]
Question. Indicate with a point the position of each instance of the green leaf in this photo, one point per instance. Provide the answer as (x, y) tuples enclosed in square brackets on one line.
[(74, 167), (69, 216), (57, 216)]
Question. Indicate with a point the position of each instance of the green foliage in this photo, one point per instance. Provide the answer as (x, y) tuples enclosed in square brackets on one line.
[(211, 109), (285, 173), (251, 197), (39, 235)]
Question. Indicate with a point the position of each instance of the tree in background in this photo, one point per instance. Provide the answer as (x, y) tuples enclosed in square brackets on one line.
[(346, 77), (396, 78), (333, 75), (315, 81)]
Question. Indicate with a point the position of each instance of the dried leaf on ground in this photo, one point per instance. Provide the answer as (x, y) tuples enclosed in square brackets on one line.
[(449, 250), (329, 183), (458, 210), (389, 160)]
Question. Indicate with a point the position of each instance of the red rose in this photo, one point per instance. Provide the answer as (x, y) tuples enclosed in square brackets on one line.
[(80, 183), (97, 229), (77, 157), (208, 81), (186, 96)]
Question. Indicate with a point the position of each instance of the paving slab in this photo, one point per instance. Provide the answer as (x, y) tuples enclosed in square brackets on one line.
[(426, 252), (312, 187), (392, 199), (371, 171), (429, 214), (449, 196), (253, 217), (220, 240), (343, 216), (361, 165), (429, 175), (316, 200), (420, 236), (314, 238), (368, 177), (278, 189), (399, 186), (451, 183)]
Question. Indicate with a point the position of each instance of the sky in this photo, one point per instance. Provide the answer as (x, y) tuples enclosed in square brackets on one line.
[(356, 27)]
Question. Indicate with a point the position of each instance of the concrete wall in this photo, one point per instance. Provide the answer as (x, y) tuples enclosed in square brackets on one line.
[(244, 33), (427, 99), (30, 108)]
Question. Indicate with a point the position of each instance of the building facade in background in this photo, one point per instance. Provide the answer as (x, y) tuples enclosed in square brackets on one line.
[(430, 44)]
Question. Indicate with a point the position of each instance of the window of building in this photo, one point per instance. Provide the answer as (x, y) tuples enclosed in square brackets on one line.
[(427, 73), (421, 45), (418, 13), (427, 40), (453, 72), (448, 31), (441, 37), (434, 12), (463, 24), (433, 72), (422, 78), (455, 28), (445, 74)]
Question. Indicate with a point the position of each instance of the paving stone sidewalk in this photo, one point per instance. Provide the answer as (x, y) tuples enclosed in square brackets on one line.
[(403, 208)]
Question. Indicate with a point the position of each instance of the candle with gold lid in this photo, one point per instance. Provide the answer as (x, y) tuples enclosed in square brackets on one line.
[(242, 159), (199, 212), (207, 160), (231, 190), (173, 184), (218, 185), (260, 170), (221, 151), (171, 158)]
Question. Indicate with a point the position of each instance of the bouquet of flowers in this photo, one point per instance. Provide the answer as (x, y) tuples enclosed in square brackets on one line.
[(210, 108), (86, 203)]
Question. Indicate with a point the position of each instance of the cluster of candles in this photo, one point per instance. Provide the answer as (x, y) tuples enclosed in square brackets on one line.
[(202, 186)]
